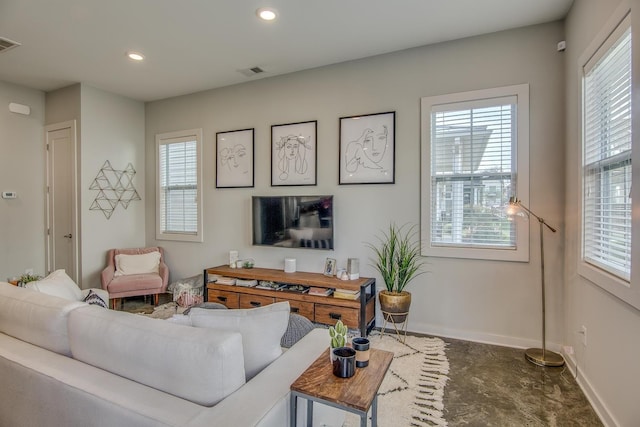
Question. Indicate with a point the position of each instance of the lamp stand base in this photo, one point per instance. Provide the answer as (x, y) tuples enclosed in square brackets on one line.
[(550, 358)]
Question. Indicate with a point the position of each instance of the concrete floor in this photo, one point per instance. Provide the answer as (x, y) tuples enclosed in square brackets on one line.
[(495, 386)]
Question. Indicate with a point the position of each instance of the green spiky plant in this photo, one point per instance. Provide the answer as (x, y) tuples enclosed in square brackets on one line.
[(338, 334), (26, 278), (397, 257)]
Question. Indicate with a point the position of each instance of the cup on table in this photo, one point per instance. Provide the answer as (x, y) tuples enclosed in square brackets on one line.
[(344, 363), (361, 346)]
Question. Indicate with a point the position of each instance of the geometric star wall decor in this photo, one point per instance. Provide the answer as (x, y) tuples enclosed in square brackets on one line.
[(114, 187)]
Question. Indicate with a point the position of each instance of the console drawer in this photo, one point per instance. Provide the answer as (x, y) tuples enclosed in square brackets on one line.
[(230, 299), (253, 301), (300, 307), (330, 314)]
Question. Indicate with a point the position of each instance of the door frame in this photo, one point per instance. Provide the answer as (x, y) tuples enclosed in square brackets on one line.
[(49, 239)]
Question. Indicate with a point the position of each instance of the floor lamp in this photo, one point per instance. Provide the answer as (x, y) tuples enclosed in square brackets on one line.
[(538, 356)]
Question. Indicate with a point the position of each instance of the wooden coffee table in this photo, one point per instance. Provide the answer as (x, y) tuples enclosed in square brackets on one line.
[(356, 394)]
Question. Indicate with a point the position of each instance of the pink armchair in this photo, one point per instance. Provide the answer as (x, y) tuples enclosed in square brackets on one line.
[(127, 285)]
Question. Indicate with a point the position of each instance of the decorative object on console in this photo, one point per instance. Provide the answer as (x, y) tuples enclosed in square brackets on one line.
[(289, 265), (353, 268), (114, 187), (294, 154), (537, 356), (398, 260), (367, 149), (233, 258), (235, 159), (330, 267)]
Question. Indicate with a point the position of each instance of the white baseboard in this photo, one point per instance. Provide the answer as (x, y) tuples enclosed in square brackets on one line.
[(592, 396), (508, 341), (481, 337)]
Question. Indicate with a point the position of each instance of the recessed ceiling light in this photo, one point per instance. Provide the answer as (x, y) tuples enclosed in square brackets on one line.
[(136, 56), (266, 13)]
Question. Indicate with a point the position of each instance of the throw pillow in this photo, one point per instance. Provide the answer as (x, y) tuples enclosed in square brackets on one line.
[(94, 299), (137, 264), (261, 329), (299, 326), (57, 284)]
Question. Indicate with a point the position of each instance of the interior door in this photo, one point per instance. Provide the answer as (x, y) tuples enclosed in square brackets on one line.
[(61, 227)]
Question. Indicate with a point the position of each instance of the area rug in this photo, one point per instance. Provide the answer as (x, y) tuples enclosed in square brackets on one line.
[(412, 391), (163, 311)]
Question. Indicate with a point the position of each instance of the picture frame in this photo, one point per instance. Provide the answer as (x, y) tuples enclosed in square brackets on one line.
[(330, 267), (367, 149), (235, 165), (294, 155)]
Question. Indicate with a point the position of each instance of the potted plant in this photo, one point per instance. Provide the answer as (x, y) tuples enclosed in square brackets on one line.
[(338, 334), (26, 278), (398, 260)]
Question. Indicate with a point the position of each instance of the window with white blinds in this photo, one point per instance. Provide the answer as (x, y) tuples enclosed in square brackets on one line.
[(178, 199), (472, 145), (606, 167)]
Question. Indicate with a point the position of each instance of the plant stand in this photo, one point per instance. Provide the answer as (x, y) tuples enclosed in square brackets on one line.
[(400, 332)]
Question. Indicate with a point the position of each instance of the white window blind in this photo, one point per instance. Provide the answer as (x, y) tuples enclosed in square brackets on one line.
[(179, 212), (472, 173), (606, 239)]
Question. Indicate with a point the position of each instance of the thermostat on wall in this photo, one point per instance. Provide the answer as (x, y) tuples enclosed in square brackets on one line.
[(9, 194)]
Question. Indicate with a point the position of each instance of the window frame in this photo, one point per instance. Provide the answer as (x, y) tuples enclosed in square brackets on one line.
[(520, 185), (176, 137), (628, 291)]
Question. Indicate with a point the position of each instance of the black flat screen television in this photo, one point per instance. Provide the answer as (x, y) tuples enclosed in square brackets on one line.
[(293, 221)]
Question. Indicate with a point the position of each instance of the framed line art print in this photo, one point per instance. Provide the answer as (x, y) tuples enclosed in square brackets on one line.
[(234, 159), (367, 149), (294, 154)]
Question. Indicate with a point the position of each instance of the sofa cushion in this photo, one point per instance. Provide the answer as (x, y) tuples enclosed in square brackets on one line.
[(93, 298), (147, 263), (192, 363), (58, 284), (261, 329), (36, 318)]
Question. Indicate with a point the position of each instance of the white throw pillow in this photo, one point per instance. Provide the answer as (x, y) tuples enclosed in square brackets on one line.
[(261, 329), (57, 284), (137, 264)]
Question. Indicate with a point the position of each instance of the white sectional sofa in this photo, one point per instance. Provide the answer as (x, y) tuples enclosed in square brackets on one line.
[(67, 363)]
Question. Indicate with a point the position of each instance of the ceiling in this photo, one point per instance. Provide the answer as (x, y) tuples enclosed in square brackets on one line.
[(194, 45)]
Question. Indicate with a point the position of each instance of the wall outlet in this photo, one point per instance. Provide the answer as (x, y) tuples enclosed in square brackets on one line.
[(583, 332), (568, 350)]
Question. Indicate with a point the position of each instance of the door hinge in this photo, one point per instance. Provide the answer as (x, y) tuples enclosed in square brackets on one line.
[(48, 231), (47, 147)]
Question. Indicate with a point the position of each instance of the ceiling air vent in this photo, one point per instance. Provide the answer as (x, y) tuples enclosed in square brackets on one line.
[(6, 44), (250, 72)]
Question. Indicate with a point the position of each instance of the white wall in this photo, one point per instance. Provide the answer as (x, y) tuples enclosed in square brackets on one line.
[(112, 129), (22, 169), (608, 366), (468, 299), (109, 127)]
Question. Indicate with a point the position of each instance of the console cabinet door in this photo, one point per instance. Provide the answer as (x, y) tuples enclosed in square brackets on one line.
[(253, 301), (230, 299), (330, 314), (300, 307)]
